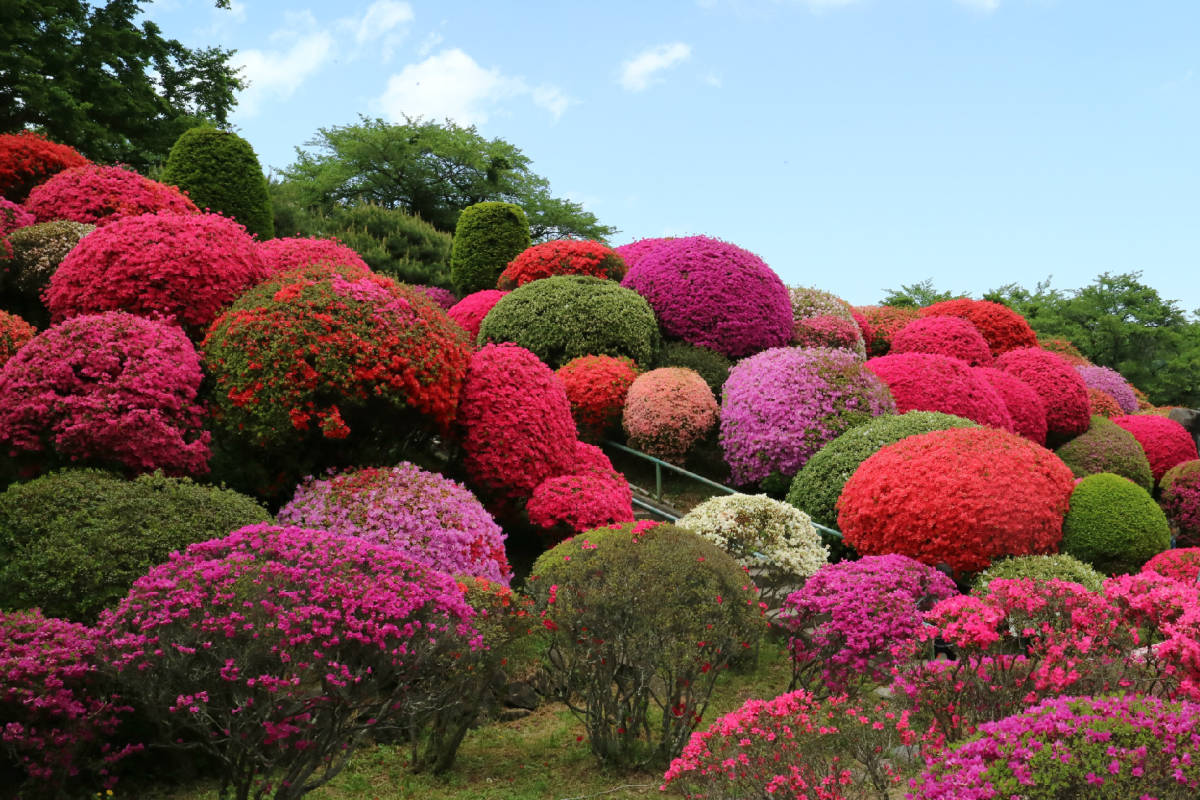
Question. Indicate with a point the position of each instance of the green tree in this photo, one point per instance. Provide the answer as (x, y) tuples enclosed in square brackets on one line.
[(89, 75), (917, 295), (431, 170)]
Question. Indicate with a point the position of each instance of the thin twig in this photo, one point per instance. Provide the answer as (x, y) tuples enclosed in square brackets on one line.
[(610, 791)]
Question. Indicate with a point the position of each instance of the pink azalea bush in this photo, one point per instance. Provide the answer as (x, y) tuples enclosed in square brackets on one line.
[(1181, 564), (636, 250), (1166, 442), (1062, 390), (822, 319), (102, 195), (1003, 328), (13, 216), (1025, 406), (14, 333), (947, 336), (667, 411), (470, 311), (113, 389), (1111, 381), (288, 253), (582, 501), (443, 297), (933, 382), (1181, 501)]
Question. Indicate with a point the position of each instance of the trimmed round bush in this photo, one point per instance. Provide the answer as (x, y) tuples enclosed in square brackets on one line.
[(431, 519), (634, 251), (14, 333), (930, 382), (714, 294), (1065, 349), (817, 487), (1106, 447), (945, 336), (1057, 567), (962, 497), (470, 311), (884, 321), (288, 253), (784, 404), (667, 411), (1112, 382), (169, 265), (443, 297), (1165, 441), (220, 173), (1114, 524), (1104, 404), (28, 158), (37, 251), (101, 195), (1180, 564), (1062, 390), (711, 365), (562, 257), (13, 217), (1024, 405), (109, 389), (1181, 501), (821, 319), (73, 542), (597, 387), (570, 504), (487, 237), (569, 316), (1003, 328)]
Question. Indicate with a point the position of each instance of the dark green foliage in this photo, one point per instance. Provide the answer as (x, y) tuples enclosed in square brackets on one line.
[(221, 173), (487, 237), (1107, 447), (568, 316), (395, 243), (73, 542), (1039, 568), (712, 366), (1114, 525)]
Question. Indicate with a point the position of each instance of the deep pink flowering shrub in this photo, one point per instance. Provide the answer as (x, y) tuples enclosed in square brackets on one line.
[(288, 253), (713, 294), (13, 216), (781, 406), (1165, 441), (597, 387), (14, 333), (56, 711), (1111, 381), (184, 266), (111, 389), (962, 497), (667, 411), (429, 518), (1058, 384), (276, 649), (1181, 501), (1164, 615), (102, 195), (946, 336), (443, 297), (582, 501), (822, 319), (635, 251), (864, 326), (1003, 328), (844, 622), (470, 311), (931, 382), (1103, 747), (884, 322), (1024, 405), (1181, 564)]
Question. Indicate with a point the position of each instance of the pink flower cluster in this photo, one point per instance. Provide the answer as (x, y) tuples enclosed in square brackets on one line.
[(1024, 405), (1181, 564), (1058, 384), (12, 216), (1181, 501), (1111, 381), (288, 253), (1165, 441), (580, 502), (470, 311), (443, 297), (667, 411), (932, 382), (635, 251), (102, 195), (947, 336), (822, 319)]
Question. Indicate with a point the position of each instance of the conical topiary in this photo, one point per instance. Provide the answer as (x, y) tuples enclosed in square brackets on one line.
[(220, 172), (487, 237)]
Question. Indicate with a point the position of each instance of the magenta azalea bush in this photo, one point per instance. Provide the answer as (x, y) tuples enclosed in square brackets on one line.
[(1111, 381), (1025, 406), (781, 406), (110, 389), (470, 311), (443, 297), (13, 216), (1061, 388), (667, 411), (935, 382), (431, 519), (1181, 501), (101, 195)]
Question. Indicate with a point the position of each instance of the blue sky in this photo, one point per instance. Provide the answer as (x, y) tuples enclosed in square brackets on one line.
[(856, 145)]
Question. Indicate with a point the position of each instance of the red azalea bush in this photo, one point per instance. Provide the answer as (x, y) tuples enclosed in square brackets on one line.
[(1181, 501), (14, 333), (962, 497), (12, 216), (1180, 564), (667, 411), (27, 159), (443, 297), (931, 382), (865, 328), (102, 195), (1025, 406), (579, 502), (884, 321), (1057, 383), (171, 265), (1102, 403), (947, 336), (1003, 328), (288, 253), (1165, 441), (470, 311), (713, 294), (597, 387), (562, 257), (113, 389), (515, 422)]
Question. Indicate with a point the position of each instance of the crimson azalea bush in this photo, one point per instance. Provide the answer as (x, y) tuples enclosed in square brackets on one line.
[(1106, 447), (597, 387), (562, 257), (782, 405), (884, 321), (276, 649), (287, 253), (634, 251), (111, 389), (822, 319), (1112, 382), (947, 336), (667, 411), (101, 195), (14, 333), (1181, 501), (28, 158), (443, 297), (713, 294), (1165, 441), (1062, 390), (589, 498), (864, 326), (431, 519), (1114, 524), (962, 497), (932, 382), (1003, 328), (187, 267), (1025, 406), (1102, 403), (12, 216), (1180, 564), (470, 311)]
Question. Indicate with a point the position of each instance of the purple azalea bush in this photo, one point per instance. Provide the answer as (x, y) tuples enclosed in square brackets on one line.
[(1111, 381)]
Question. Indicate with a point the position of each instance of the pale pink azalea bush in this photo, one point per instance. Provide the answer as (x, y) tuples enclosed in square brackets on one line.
[(667, 411)]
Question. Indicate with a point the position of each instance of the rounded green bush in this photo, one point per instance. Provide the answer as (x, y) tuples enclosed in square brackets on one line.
[(1060, 567), (73, 542), (1114, 524), (817, 486), (1107, 447), (487, 237), (392, 242), (220, 172), (569, 316), (712, 366)]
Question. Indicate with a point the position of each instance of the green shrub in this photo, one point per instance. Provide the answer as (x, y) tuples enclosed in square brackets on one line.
[(1114, 524), (73, 542), (640, 620), (1107, 447), (1039, 568), (393, 242), (37, 250), (487, 237), (220, 172), (569, 316), (712, 366)]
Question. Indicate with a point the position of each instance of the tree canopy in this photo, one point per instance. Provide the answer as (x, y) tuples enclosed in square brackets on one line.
[(89, 75), (433, 170), (917, 295)]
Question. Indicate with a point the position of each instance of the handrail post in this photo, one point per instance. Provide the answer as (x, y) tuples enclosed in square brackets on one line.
[(658, 495)]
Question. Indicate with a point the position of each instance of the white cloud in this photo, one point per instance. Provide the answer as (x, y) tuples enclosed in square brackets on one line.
[(552, 99), (713, 80), (638, 73), (986, 6), (430, 43), (382, 18), (237, 11), (277, 73)]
